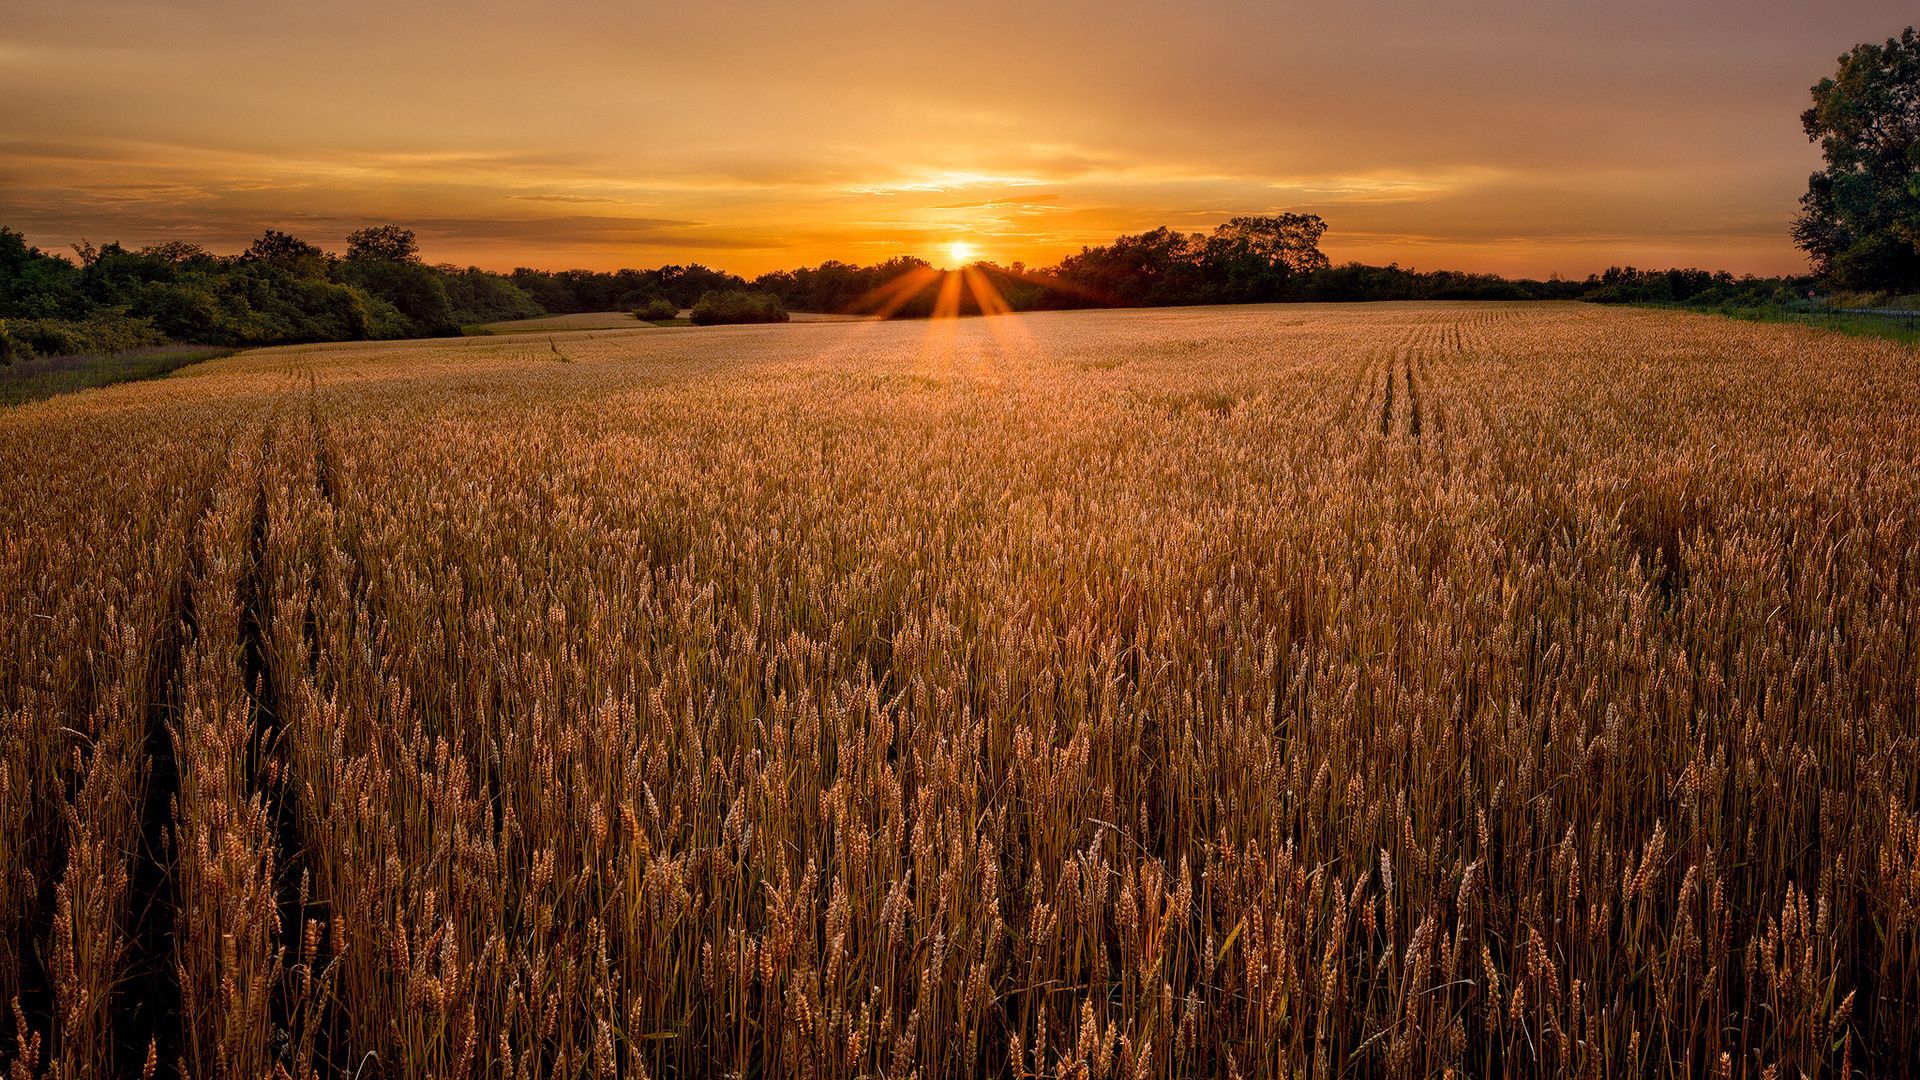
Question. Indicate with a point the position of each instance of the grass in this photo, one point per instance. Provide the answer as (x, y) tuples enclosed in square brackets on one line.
[(1889, 327), (46, 376), (1397, 690)]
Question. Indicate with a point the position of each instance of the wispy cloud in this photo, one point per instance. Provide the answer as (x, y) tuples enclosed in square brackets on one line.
[(564, 198)]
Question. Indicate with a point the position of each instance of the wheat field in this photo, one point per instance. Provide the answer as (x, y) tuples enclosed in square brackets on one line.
[(1386, 690)]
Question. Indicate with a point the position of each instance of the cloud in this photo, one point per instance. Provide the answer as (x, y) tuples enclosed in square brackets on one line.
[(564, 198)]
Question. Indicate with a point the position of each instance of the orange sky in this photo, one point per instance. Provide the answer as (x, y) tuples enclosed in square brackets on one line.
[(1522, 138)]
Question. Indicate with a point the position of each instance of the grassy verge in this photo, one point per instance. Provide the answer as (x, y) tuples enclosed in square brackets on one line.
[(668, 322), (1846, 322), (47, 376)]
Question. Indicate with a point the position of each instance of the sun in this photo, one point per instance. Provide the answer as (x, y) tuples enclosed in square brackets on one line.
[(960, 253)]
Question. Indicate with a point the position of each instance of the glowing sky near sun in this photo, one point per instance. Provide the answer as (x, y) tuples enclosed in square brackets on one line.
[(1518, 137)]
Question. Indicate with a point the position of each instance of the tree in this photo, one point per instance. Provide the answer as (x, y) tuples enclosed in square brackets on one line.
[(176, 252), (1281, 240), (658, 309), (275, 246), (1860, 218), (737, 306), (36, 285), (481, 297), (415, 291), (383, 243), (1157, 267), (1250, 259)]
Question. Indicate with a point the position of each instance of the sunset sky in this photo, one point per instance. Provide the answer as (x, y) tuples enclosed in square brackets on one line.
[(1519, 137)]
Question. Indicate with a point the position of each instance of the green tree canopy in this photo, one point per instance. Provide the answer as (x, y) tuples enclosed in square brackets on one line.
[(1860, 218)]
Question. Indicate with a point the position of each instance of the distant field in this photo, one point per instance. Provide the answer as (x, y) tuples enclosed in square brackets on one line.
[(1344, 690), (617, 320), (591, 320)]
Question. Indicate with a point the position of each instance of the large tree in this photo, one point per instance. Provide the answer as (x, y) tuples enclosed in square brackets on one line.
[(1280, 240), (1860, 218), (287, 251), (383, 243)]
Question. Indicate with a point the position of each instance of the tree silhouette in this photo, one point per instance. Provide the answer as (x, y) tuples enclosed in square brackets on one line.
[(383, 243)]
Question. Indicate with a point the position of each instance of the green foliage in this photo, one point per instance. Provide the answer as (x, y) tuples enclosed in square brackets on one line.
[(1780, 300), (1860, 218), (36, 285), (481, 297), (256, 302), (415, 291), (571, 291), (1836, 319), (185, 310), (658, 309), (1692, 288), (737, 306), (98, 334), (280, 290), (12, 348)]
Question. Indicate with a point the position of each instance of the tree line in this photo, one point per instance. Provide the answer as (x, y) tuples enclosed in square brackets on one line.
[(281, 290), (1246, 261)]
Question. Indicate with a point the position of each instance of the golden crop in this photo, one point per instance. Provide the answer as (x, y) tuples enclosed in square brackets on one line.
[(1281, 691)]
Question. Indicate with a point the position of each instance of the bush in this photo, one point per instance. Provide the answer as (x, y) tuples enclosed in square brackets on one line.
[(97, 336), (738, 306), (12, 348), (658, 309)]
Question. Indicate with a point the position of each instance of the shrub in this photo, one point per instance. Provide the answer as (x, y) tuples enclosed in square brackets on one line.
[(101, 334), (738, 306), (12, 348), (658, 309)]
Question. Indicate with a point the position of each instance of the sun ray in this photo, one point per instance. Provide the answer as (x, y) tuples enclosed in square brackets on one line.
[(947, 306), (985, 295), (1009, 335), (886, 300)]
